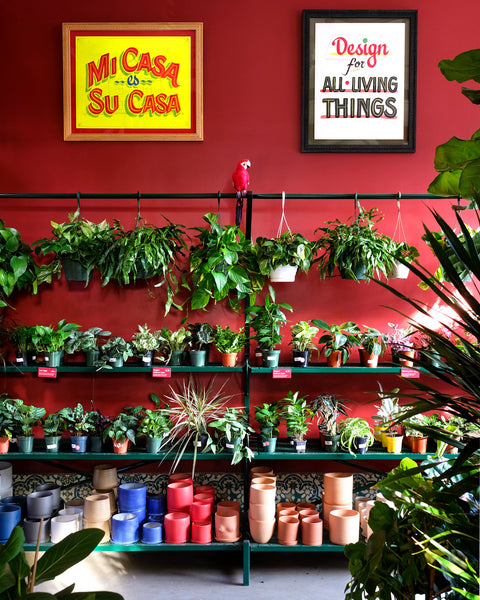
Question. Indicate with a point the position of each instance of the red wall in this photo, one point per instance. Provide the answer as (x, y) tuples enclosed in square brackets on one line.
[(252, 106)]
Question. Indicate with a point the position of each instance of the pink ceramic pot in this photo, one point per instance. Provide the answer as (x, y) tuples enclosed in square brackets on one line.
[(312, 531), (261, 493), (261, 471), (200, 511), (344, 526), (261, 531), (338, 488), (265, 480), (262, 512), (179, 496), (227, 526), (202, 532), (205, 489), (288, 530), (307, 512), (327, 509), (282, 505), (177, 527)]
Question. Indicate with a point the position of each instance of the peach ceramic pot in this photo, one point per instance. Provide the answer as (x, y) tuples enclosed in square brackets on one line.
[(202, 532), (179, 496), (78, 502), (261, 472), (103, 525), (111, 497), (262, 493), (307, 512), (177, 527), (105, 477), (97, 508), (264, 480), (312, 531), (302, 505), (262, 512), (338, 488), (282, 505), (228, 504), (344, 526), (200, 511), (288, 512), (227, 526), (287, 531), (120, 447), (360, 499), (261, 531), (327, 509), (180, 477)]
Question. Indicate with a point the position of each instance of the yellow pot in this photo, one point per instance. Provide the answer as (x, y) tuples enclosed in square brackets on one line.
[(394, 443)]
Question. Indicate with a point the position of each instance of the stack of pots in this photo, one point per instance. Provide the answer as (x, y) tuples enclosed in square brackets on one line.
[(152, 529), (179, 501), (340, 519), (201, 514), (10, 516), (105, 481), (97, 514), (311, 524), (132, 507), (40, 508), (261, 511)]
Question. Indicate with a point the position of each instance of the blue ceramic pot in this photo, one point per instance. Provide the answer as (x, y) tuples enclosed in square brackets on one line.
[(125, 528), (10, 515), (152, 532)]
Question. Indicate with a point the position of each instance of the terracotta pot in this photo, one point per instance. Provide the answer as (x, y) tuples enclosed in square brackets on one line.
[(338, 488), (334, 359), (419, 444), (394, 443), (261, 493), (288, 530), (264, 480), (180, 496), (228, 504), (282, 505), (307, 512), (344, 526), (288, 512), (312, 531), (177, 527), (261, 531), (4, 445), (302, 505), (105, 477), (360, 500), (97, 508), (262, 512), (229, 359), (202, 532), (327, 509), (261, 471), (404, 357), (227, 526), (367, 359), (120, 447), (200, 511)]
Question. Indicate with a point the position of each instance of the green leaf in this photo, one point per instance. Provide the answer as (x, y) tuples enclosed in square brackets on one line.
[(220, 279), (68, 552), (463, 67), (470, 181), (456, 153), (200, 298), (446, 184)]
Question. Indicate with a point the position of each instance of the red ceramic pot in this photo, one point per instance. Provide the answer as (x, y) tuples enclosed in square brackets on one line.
[(179, 496), (202, 532), (177, 527), (204, 498), (205, 489), (180, 477), (200, 511)]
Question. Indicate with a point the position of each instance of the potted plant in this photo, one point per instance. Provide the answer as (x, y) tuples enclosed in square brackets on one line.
[(25, 418), (268, 418), (302, 344), (145, 342), (280, 257), (78, 246), (79, 424), (98, 422), (88, 342), (114, 353), (266, 321), (193, 407), (145, 252), (21, 337), (229, 343), (328, 410), (199, 340), (121, 429), (356, 435), (52, 341), (337, 340), (296, 412), (174, 343), (7, 423), (53, 426), (154, 425), (387, 415), (233, 431), (372, 345), (401, 344), (414, 437)]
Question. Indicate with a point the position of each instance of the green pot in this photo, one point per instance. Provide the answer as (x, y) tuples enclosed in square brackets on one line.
[(74, 271), (91, 357), (116, 362), (54, 358), (270, 358), (268, 445), (233, 445), (52, 442), (332, 442), (198, 358), (153, 445), (25, 443), (96, 443), (176, 358)]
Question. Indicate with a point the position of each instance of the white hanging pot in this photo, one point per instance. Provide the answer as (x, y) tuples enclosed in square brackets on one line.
[(283, 273), (399, 271)]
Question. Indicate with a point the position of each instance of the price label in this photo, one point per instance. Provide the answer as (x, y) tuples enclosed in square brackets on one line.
[(49, 372), (409, 373), (161, 372), (281, 373)]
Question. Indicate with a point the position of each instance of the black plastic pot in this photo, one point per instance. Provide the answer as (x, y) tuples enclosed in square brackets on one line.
[(300, 358)]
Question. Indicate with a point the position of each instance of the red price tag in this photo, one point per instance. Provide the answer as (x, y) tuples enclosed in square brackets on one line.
[(47, 372), (409, 373), (161, 372), (281, 373)]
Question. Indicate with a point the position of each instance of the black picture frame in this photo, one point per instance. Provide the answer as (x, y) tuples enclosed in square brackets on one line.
[(359, 80)]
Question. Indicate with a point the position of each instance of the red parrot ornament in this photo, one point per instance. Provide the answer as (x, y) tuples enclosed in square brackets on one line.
[(240, 180)]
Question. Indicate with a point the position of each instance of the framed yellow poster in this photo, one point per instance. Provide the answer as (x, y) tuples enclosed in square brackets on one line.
[(133, 81)]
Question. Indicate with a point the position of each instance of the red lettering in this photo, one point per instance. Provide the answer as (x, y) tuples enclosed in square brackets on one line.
[(100, 72), (173, 104), (144, 62), (96, 106), (131, 107), (172, 73), (159, 70), (125, 66), (161, 104), (108, 104)]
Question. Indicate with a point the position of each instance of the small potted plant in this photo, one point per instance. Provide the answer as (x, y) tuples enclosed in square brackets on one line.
[(401, 344), (372, 345), (154, 425), (99, 422), (79, 424), (356, 435), (21, 338), (145, 343), (266, 321), (297, 413), (302, 344), (114, 353), (388, 413), (229, 343), (121, 429), (328, 409), (233, 431), (25, 418), (414, 437), (88, 342), (53, 426), (201, 335), (174, 343), (52, 341), (338, 340), (6, 422), (268, 418)]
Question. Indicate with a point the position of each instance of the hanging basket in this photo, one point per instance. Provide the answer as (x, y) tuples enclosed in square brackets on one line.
[(399, 271), (283, 274)]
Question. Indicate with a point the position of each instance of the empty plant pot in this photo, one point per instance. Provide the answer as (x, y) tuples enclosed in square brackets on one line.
[(55, 489), (312, 531), (344, 526), (97, 508), (261, 531), (5, 476), (10, 515), (200, 511), (187, 477), (338, 488), (177, 527), (307, 512), (111, 497), (202, 532), (40, 505), (76, 511), (302, 505), (156, 504), (228, 504), (125, 528), (205, 489), (287, 531), (264, 480), (32, 527), (61, 526), (132, 496), (261, 493), (327, 509), (282, 505), (262, 512), (20, 501), (105, 477), (261, 471), (152, 532), (180, 496), (419, 444), (103, 525), (288, 512), (227, 526)]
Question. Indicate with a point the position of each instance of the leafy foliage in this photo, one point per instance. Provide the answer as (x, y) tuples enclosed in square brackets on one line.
[(268, 417), (50, 339), (25, 417), (288, 249), (297, 414), (124, 425), (233, 428), (227, 340), (353, 427), (372, 340), (267, 320), (338, 338), (328, 409), (302, 336)]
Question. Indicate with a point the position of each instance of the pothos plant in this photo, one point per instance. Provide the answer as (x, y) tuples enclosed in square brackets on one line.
[(287, 249)]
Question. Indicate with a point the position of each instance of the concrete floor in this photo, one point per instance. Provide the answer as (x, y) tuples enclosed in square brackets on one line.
[(207, 575)]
